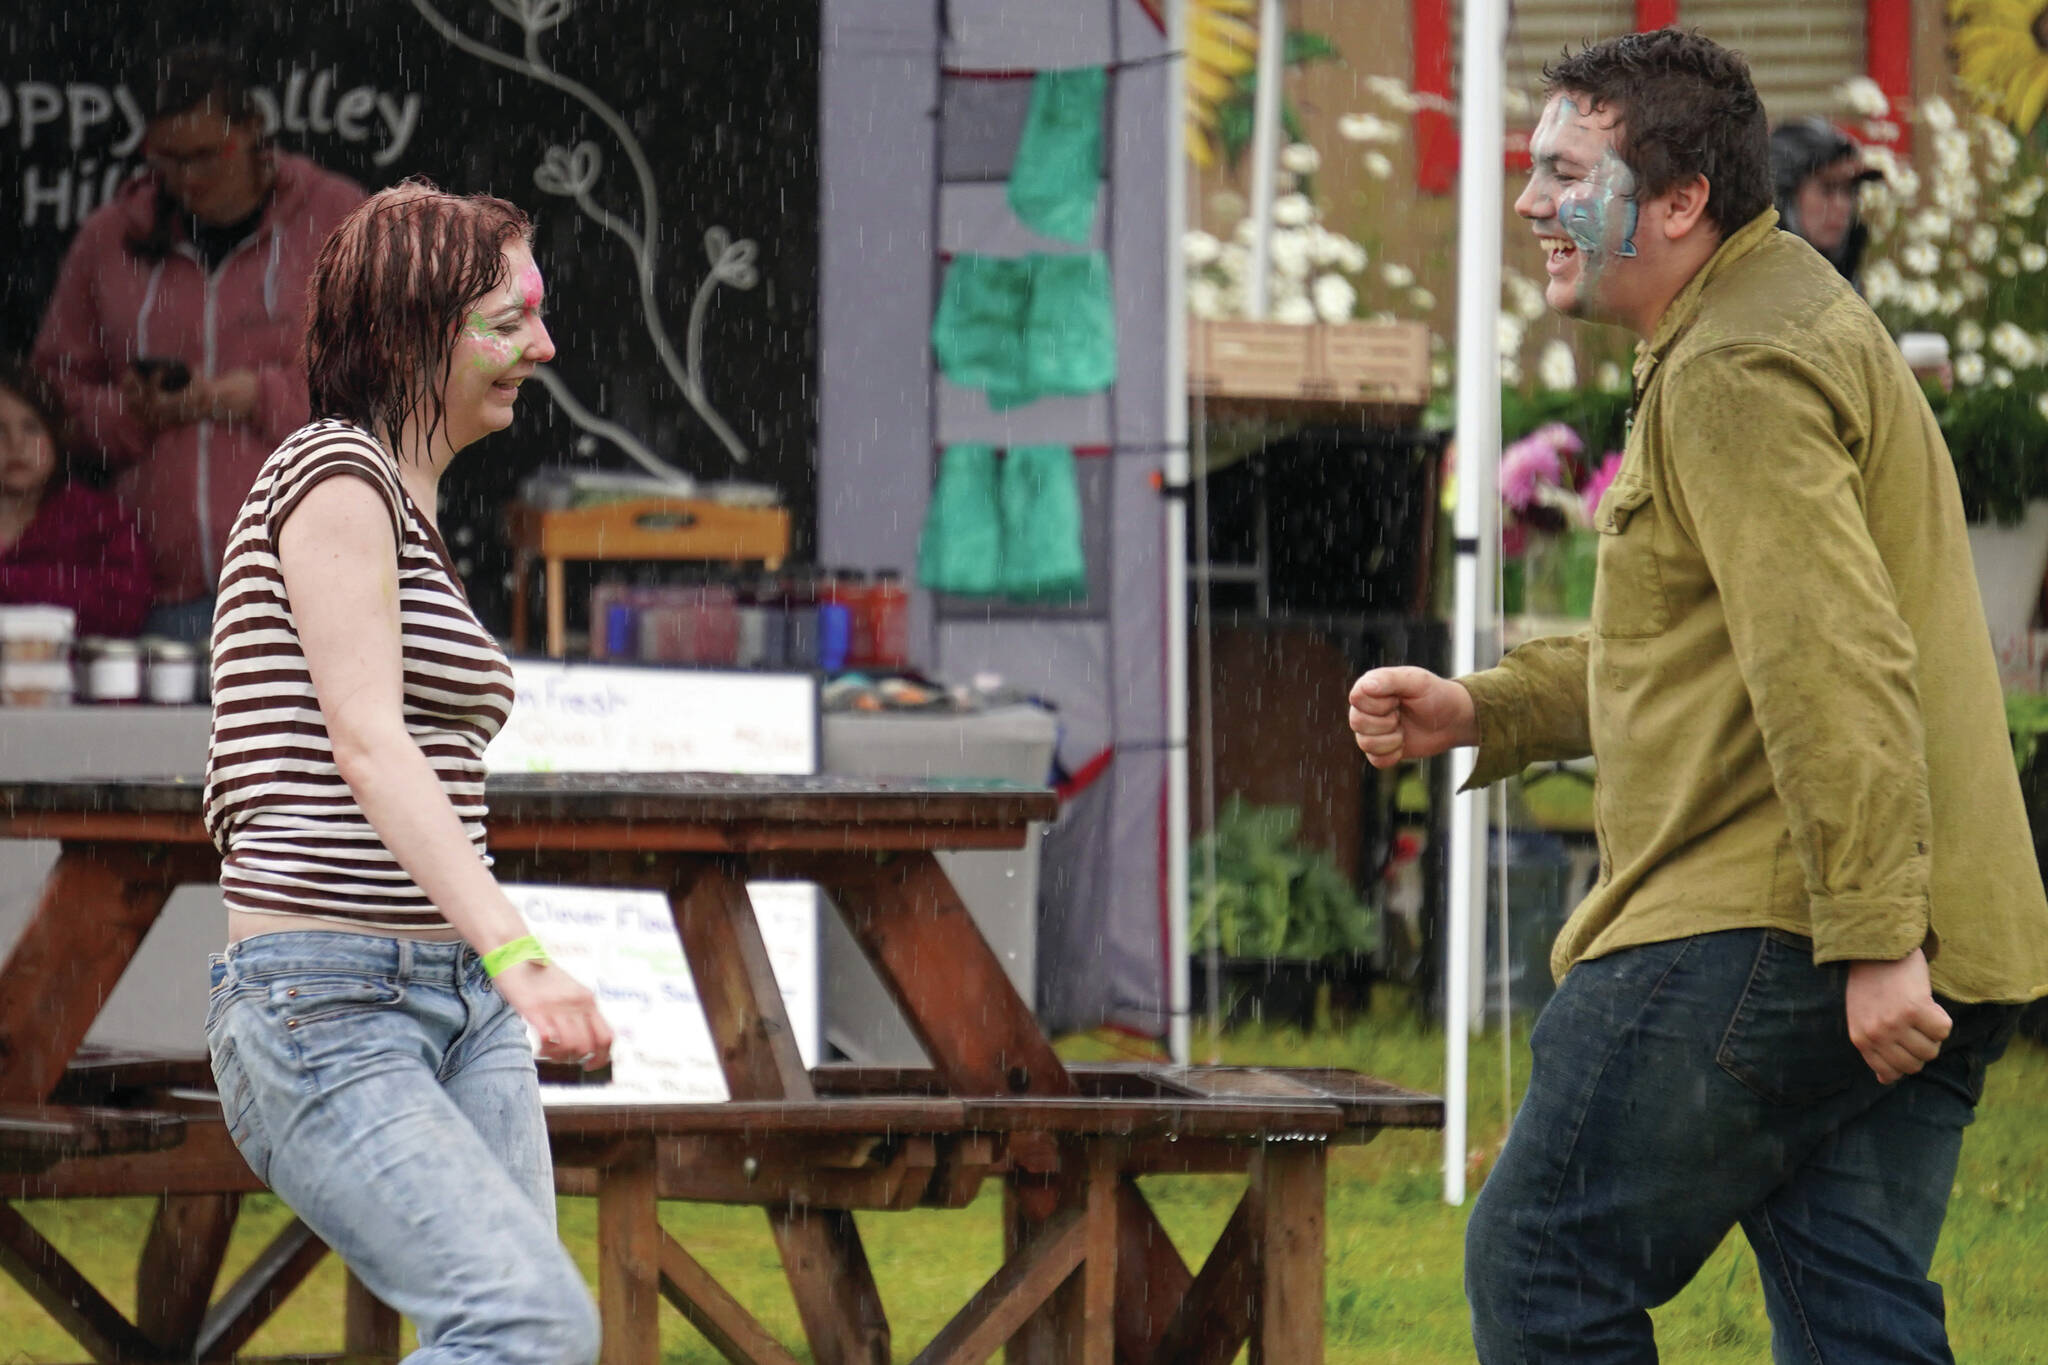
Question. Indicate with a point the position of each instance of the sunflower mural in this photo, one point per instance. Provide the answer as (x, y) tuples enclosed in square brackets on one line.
[(1223, 47), (2001, 49)]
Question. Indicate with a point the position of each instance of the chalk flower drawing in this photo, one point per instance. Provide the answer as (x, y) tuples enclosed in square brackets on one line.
[(572, 173)]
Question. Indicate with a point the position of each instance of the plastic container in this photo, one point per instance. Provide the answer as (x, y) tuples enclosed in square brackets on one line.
[(35, 682), (717, 642), (772, 595), (888, 611), (109, 670), (171, 674), (848, 588), (801, 620), (750, 626), (837, 596), (32, 634)]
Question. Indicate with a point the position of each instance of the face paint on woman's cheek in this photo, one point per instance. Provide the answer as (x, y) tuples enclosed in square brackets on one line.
[(531, 289), (489, 351)]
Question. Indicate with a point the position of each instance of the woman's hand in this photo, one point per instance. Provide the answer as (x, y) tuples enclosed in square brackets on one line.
[(230, 397), (561, 1010)]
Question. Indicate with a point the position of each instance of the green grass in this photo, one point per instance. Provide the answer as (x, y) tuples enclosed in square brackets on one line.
[(1394, 1248)]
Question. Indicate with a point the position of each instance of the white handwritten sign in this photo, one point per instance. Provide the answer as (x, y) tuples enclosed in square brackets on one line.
[(623, 944)]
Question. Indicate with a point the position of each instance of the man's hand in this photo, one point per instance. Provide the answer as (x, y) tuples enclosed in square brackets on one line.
[(1400, 713), (1893, 1019), (230, 397)]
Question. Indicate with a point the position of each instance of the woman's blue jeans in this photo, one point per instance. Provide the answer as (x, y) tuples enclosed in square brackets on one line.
[(387, 1093), (1683, 1088)]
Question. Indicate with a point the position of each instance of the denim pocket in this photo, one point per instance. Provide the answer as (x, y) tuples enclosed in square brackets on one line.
[(238, 1106), (302, 999), (1788, 1042)]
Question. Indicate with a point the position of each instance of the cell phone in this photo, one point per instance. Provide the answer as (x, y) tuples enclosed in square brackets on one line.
[(168, 373)]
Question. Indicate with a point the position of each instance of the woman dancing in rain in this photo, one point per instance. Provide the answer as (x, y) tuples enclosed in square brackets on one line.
[(368, 1021)]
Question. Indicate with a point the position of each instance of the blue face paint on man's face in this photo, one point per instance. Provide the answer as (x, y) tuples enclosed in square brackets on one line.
[(1581, 197)]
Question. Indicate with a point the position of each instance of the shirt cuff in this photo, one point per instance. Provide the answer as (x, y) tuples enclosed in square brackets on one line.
[(1496, 704), (1882, 930)]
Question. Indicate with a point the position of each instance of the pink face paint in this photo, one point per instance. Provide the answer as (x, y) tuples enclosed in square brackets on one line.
[(489, 351), (530, 287)]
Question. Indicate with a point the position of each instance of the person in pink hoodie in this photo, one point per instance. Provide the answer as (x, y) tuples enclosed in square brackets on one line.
[(175, 329)]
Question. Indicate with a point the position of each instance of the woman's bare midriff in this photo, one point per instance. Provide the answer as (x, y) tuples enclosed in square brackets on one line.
[(247, 924)]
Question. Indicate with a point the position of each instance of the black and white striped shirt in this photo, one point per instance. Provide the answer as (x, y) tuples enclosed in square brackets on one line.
[(292, 838)]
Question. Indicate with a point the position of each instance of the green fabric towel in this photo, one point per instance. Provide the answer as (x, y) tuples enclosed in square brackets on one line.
[(1023, 328), (1041, 507), (1057, 175), (961, 548)]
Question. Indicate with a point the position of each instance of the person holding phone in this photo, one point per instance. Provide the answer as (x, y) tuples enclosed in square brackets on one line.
[(173, 331), (368, 1022)]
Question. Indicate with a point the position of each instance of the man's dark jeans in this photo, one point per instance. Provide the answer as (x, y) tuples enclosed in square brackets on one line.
[(1681, 1088)]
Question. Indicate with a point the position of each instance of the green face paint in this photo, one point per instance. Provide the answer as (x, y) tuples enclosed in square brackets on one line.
[(489, 350)]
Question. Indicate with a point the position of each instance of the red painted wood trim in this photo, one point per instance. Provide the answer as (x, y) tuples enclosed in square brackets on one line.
[(1888, 58), (1652, 15), (1436, 135)]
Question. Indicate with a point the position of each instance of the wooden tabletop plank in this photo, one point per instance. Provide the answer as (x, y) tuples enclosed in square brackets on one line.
[(687, 797)]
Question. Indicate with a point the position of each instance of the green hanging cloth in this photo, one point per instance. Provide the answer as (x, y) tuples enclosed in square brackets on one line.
[(1022, 328), (1069, 329), (1057, 174), (961, 548), (1042, 556)]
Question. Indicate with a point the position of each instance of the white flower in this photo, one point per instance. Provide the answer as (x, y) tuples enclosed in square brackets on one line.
[(1525, 296), (1293, 210), (1975, 287), (1905, 182), (1200, 248), (1397, 276), (2008, 267), (2041, 404), (1557, 367), (1969, 369), (1929, 224), (1951, 301), (2033, 256), (1205, 298), (1516, 103), (1922, 296), (1881, 160), (1290, 255), (1333, 297), (2001, 148), (2011, 343), (1421, 300), (1227, 206), (1378, 165), (1325, 247), (1983, 242), (1392, 93), (1296, 312), (1952, 150), (1510, 372), (1367, 128), (1883, 280), (1956, 261), (1507, 335), (1969, 336), (1922, 258), (2001, 376), (1608, 378), (1881, 130), (1301, 158), (1864, 96), (1351, 257), (1935, 111), (1439, 374)]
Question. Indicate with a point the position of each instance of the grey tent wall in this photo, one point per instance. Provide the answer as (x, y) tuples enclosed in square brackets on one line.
[(909, 155)]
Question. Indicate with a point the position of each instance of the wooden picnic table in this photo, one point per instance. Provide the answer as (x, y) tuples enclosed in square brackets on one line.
[(1089, 1275)]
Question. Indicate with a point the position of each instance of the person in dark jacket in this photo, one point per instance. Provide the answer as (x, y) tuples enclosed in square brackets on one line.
[(173, 333), (1820, 176), (62, 542)]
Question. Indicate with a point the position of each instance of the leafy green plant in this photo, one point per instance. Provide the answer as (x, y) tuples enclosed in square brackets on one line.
[(1997, 438), (1599, 416), (1272, 897), (1234, 114)]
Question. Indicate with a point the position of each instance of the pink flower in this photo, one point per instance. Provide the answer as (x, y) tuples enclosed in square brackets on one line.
[(1596, 485), (1527, 464)]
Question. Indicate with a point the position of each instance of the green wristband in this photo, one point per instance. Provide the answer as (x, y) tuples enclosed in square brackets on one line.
[(526, 949)]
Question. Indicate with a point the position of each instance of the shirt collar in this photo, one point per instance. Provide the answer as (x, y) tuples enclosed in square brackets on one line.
[(1679, 315)]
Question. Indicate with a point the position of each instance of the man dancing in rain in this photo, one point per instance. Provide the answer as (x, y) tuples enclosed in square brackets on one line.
[(1818, 904)]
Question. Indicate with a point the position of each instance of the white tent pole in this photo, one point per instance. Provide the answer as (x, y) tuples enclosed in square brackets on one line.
[(1176, 477), (1272, 71), (1478, 514)]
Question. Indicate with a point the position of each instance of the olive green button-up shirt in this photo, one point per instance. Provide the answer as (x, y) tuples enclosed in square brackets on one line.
[(1788, 684)]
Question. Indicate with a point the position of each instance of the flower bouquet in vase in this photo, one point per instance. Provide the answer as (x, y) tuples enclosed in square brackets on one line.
[(1549, 491)]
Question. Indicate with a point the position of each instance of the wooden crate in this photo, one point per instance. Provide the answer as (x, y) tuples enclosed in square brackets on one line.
[(1385, 364), (1376, 362)]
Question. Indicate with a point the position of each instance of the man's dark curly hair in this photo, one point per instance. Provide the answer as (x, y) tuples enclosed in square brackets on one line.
[(1686, 107)]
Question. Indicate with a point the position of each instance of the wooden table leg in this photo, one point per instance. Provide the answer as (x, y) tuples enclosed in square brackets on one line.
[(180, 1264), (1077, 1324), (557, 607), (369, 1326), (1291, 1180), (948, 982), (821, 1252), (1152, 1279), (99, 901), (629, 1256)]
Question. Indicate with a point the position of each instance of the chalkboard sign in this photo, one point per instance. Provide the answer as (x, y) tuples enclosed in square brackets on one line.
[(667, 153)]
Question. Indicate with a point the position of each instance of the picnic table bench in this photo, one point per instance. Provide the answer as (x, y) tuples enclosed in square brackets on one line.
[(1088, 1273)]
